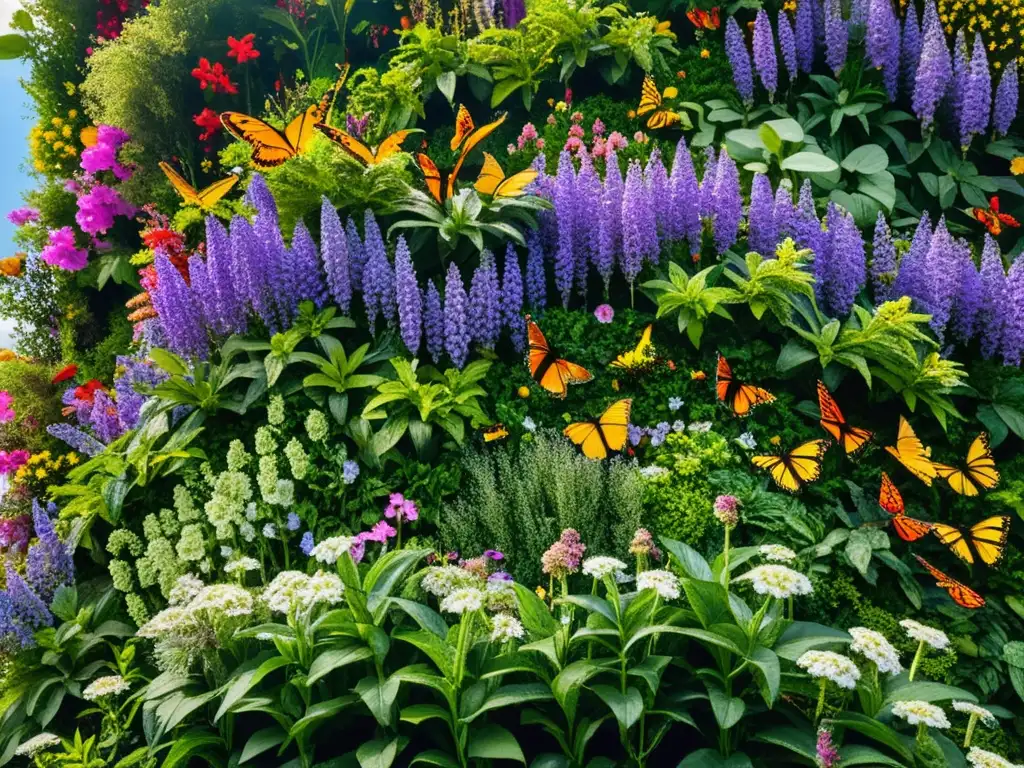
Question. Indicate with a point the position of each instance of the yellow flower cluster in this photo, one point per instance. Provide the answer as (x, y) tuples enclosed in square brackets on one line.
[(41, 465), (1000, 22), (56, 142)]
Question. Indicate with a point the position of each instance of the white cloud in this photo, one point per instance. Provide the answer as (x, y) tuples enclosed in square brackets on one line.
[(7, 9)]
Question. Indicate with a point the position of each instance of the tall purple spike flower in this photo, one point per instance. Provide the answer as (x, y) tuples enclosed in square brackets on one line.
[(707, 183), (806, 227), (910, 50), (202, 291), (941, 276), (764, 53), (787, 46), (764, 234), (485, 302), (1005, 107), (249, 270), (883, 261), (806, 42), (969, 296), (513, 11), (565, 214), (910, 277), (536, 280), (433, 323), (178, 311), (1013, 330), (783, 213), (49, 564), (639, 225), (860, 10), (512, 299), (656, 179), (977, 103), (408, 297), (728, 203), (378, 276), (306, 263), (357, 254), (85, 444), (685, 198), (456, 330), (839, 270), (231, 308), (587, 226), (22, 609), (837, 36), (994, 306), (266, 225), (882, 40), (954, 97), (334, 250), (819, 24), (739, 58), (609, 220), (934, 71)]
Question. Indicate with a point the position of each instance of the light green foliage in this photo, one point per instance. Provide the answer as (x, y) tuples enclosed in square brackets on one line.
[(317, 428), (122, 539), (169, 522), (267, 478), (226, 508), (192, 544), (136, 608), (768, 284), (121, 574), (298, 459), (691, 299), (265, 442), (35, 400), (238, 458), (275, 412), (151, 528), (184, 506)]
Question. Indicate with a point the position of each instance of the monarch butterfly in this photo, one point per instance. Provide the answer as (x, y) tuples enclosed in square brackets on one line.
[(495, 432), (979, 470), (912, 454), (639, 360), (607, 433), (701, 19), (987, 538), (890, 499), (464, 126), (652, 100), (547, 369), (792, 471), (962, 595), (492, 180), (206, 198), (391, 146), (993, 220), (852, 439), (742, 398), (468, 137)]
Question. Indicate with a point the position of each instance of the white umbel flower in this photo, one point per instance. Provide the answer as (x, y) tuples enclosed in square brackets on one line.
[(663, 582), (283, 592), (832, 666), (37, 744), (321, 589), (185, 589), (462, 600), (777, 581), (441, 581), (776, 553), (329, 550), (874, 647), (599, 567), (936, 638), (242, 564), (974, 710), (982, 758), (918, 712), (229, 599), (504, 627), (170, 620), (111, 685)]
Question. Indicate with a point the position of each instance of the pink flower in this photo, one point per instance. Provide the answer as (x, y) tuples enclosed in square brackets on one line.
[(640, 137), (98, 208), (19, 217), (102, 156), (574, 144), (6, 411), (600, 146), (512, 149), (568, 96), (402, 508), (551, 120), (61, 251), (564, 556), (529, 132), (577, 131), (598, 128), (540, 144), (604, 313), (577, 117), (381, 532), (828, 755), (617, 141)]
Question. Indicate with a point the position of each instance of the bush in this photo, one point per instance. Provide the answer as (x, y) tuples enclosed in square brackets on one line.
[(36, 403)]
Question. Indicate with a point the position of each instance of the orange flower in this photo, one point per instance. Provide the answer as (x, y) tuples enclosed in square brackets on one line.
[(681, 74), (698, 375), (13, 266), (705, 54)]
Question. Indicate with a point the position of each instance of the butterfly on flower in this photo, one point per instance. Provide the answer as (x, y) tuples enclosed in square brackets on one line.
[(742, 398), (468, 137), (912, 453), (652, 100), (598, 437), (992, 218), (494, 432), (962, 595), (702, 19), (852, 439), (891, 500), (553, 374), (794, 470), (640, 360), (205, 198), (979, 470)]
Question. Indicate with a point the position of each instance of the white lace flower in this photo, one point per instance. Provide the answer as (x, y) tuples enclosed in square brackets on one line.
[(229, 599), (832, 666), (936, 638), (242, 564), (747, 440), (283, 592), (666, 584), (462, 600), (36, 744), (601, 566), (653, 471), (873, 646), (982, 758), (322, 588), (505, 626), (329, 550), (983, 714), (168, 621), (915, 712), (185, 589), (776, 553), (111, 685), (700, 426), (442, 580), (777, 581)]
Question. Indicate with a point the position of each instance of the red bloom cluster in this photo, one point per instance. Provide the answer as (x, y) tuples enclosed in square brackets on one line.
[(86, 393), (296, 8), (65, 373), (209, 121), (243, 50), (213, 76)]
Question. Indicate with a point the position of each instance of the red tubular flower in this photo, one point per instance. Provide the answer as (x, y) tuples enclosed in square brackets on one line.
[(209, 121), (87, 392), (243, 50), (65, 373), (213, 76)]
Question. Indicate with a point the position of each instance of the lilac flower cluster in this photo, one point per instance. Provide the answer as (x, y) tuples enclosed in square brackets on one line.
[(410, 300), (98, 207), (739, 59), (839, 267)]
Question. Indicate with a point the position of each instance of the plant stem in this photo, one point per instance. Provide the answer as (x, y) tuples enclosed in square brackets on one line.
[(822, 685), (917, 660), (725, 554), (970, 730), (790, 608)]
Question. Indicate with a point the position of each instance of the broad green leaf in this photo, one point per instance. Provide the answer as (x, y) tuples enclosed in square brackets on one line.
[(261, 741), (800, 741), (246, 681), (512, 695), (427, 618), (418, 713), (194, 744), (710, 758), (567, 684), (335, 658), (380, 753), (866, 159), (494, 743), (627, 707), (379, 697), (728, 710), (695, 566), (809, 162), (767, 664), (14, 46), (924, 690), (434, 757), (875, 730)]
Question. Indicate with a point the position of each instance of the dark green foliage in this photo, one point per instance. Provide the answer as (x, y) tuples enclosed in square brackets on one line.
[(36, 403)]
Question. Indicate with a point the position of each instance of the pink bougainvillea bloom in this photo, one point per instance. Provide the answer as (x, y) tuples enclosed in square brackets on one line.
[(6, 411), (61, 251), (19, 217), (604, 313)]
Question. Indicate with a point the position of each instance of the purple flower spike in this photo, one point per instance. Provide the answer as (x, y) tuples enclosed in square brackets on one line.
[(639, 226), (764, 235), (536, 280), (787, 45), (940, 279), (587, 226), (306, 264), (954, 97), (804, 33), (764, 53), (1005, 108), (656, 179), (456, 332), (685, 222), (883, 43), (969, 296), (610, 224), (485, 303), (839, 269), (565, 214), (334, 250), (378, 276), (933, 73), (806, 227), (357, 254), (912, 266), (977, 101), (728, 203), (783, 214), (883, 261), (410, 302), (739, 58), (837, 36), (179, 313), (910, 50), (512, 299), (433, 322), (992, 314), (1013, 331), (707, 183)]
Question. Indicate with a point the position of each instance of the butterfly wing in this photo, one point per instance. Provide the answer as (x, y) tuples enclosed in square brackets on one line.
[(614, 424), (747, 397), (962, 595), (491, 176), (431, 175), (353, 146), (792, 471), (495, 432), (214, 193), (889, 497), (912, 454), (637, 359), (779, 471), (270, 147), (723, 378), (301, 130), (909, 528), (990, 220), (980, 464), (650, 96), (989, 538), (469, 145), (958, 479), (891, 500), (552, 374), (953, 538), (516, 184), (183, 188), (392, 145), (852, 439), (663, 118), (463, 127)]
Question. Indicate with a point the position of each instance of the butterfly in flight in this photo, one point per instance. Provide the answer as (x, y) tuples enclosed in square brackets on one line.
[(792, 471), (547, 369), (652, 100), (742, 398), (852, 439), (639, 360), (702, 19), (912, 454), (495, 432), (390, 147), (272, 147), (891, 500), (979, 470), (492, 180), (962, 595), (987, 538), (603, 435), (206, 198), (468, 137), (993, 219)]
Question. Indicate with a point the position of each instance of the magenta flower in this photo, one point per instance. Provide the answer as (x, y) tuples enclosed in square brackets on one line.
[(493, 554), (598, 128), (61, 251), (604, 313), (828, 755), (381, 532), (19, 217), (7, 413), (402, 508)]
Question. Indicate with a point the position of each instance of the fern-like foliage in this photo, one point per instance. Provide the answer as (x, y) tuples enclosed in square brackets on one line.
[(692, 299), (770, 284), (931, 382)]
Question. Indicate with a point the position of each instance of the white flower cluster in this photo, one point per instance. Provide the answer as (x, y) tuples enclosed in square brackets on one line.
[(776, 553), (329, 550), (228, 599), (292, 590), (777, 581), (185, 589), (504, 627), (653, 471), (981, 713), (462, 600), (37, 744), (442, 580), (936, 638), (168, 621), (601, 566), (111, 685), (874, 647), (666, 584), (981, 758), (915, 712), (242, 564), (832, 666)]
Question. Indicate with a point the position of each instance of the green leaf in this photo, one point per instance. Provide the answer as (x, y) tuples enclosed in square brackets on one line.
[(335, 658), (427, 618), (567, 684), (434, 757), (875, 730), (802, 636), (419, 713), (866, 159), (689, 559), (503, 89), (767, 663), (245, 681), (809, 162), (379, 697), (627, 707), (319, 712), (1013, 418), (533, 611), (862, 754), (793, 354), (170, 362), (495, 743), (924, 690), (593, 604), (446, 84), (261, 741), (386, 574), (770, 139), (380, 753), (14, 46), (512, 695), (802, 742), (728, 710), (194, 744), (787, 129), (710, 758), (705, 636)]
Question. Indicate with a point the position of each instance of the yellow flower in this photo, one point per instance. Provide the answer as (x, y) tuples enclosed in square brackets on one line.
[(1017, 166), (66, 131), (45, 454), (72, 114), (50, 136), (705, 54), (523, 392), (561, 106), (631, 114), (615, 384), (72, 459), (775, 440), (551, 102), (541, 592), (698, 375), (58, 145), (20, 474), (57, 122), (70, 88), (206, 165), (40, 473)]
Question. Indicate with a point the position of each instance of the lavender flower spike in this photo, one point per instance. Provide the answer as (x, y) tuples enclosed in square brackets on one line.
[(993, 311), (536, 279), (764, 54), (787, 45), (685, 198), (309, 276), (736, 50), (410, 302), (805, 36), (512, 299), (456, 332), (883, 261), (728, 203), (1013, 331), (763, 235), (565, 215), (1005, 108), (837, 36), (334, 251), (883, 43), (639, 226), (433, 323), (485, 303), (933, 74), (974, 117), (910, 50), (610, 222)]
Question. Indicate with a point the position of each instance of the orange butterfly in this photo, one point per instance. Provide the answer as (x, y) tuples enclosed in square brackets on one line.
[(742, 398), (701, 19), (992, 218), (962, 595), (389, 147), (467, 136), (547, 369), (852, 439), (891, 500)]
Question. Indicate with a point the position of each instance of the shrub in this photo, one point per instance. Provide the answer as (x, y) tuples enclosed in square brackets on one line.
[(36, 403)]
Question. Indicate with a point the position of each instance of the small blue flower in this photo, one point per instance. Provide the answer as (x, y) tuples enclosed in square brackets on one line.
[(306, 543), (747, 441), (293, 522), (636, 434), (675, 403), (678, 426), (349, 472)]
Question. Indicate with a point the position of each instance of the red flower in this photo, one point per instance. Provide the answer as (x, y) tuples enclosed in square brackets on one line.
[(209, 121), (213, 76), (243, 49), (65, 373), (87, 392)]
